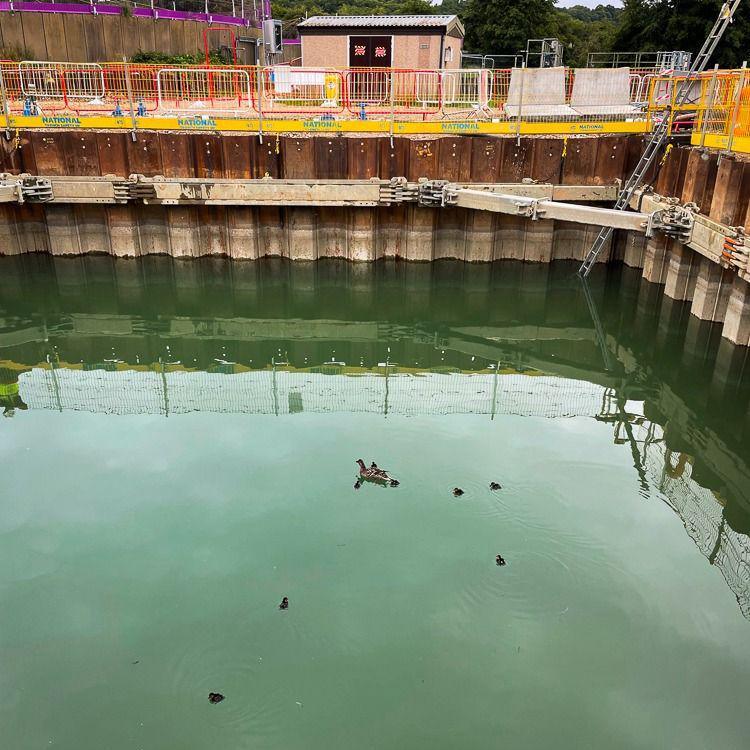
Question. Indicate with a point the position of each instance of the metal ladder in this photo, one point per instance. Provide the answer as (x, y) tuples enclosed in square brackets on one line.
[(660, 133)]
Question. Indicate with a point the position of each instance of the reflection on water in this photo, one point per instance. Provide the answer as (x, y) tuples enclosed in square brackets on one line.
[(165, 338)]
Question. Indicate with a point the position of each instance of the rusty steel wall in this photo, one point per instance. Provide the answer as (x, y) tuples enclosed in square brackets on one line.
[(573, 161)]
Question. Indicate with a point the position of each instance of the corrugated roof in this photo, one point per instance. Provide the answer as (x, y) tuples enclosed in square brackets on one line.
[(353, 21)]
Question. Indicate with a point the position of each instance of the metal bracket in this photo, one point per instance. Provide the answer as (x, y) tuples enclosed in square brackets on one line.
[(432, 193), (135, 188), (398, 190), (676, 222), (26, 188)]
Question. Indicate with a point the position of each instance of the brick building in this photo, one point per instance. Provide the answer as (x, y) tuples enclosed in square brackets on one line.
[(421, 42)]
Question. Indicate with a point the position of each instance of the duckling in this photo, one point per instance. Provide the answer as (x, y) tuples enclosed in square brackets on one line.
[(499, 560), (495, 486), (357, 484), (284, 603), (457, 492), (395, 483), (215, 697)]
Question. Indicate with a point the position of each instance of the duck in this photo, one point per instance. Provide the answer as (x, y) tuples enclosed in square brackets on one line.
[(215, 697), (499, 560), (457, 492), (375, 474), (284, 603), (495, 486)]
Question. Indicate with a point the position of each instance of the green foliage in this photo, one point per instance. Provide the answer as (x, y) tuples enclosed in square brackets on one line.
[(161, 58), (651, 25), (501, 27), (16, 54)]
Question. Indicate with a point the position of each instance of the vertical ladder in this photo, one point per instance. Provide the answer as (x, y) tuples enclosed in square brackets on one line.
[(660, 133)]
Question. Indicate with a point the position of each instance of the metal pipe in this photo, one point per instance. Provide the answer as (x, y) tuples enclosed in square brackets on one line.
[(737, 105), (129, 89), (520, 104)]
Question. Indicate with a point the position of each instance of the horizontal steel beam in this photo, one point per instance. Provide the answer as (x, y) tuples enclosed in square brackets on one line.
[(548, 209)]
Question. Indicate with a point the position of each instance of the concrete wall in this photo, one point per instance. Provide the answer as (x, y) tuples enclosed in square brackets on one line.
[(101, 38)]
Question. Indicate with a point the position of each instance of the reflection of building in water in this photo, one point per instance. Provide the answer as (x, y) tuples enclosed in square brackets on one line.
[(334, 388), (285, 391)]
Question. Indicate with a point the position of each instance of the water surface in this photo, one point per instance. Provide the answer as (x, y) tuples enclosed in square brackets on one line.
[(179, 454)]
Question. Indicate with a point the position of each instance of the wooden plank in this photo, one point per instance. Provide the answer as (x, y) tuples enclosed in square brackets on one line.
[(362, 158), (177, 38), (546, 159), (209, 162), (113, 158), (113, 50), (33, 35), (12, 29), (298, 155), (54, 32), (131, 40), (331, 158), (94, 32), (237, 155), (146, 39), (486, 156), (75, 38), (177, 155), (161, 34), (144, 156), (81, 154)]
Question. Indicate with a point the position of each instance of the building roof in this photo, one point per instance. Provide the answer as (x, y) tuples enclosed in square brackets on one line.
[(332, 22)]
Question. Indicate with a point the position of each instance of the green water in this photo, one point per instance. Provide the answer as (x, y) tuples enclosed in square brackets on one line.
[(178, 454)]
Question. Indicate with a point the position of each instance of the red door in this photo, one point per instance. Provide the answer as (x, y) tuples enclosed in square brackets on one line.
[(369, 86), (370, 51)]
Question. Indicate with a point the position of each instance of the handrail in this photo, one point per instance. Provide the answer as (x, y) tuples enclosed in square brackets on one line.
[(719, 107)]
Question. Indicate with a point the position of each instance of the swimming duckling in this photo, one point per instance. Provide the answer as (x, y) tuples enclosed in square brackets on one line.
[(495, 486), (499, 560), (284, 603), (457, 492), (215, 697), (357, 484), (395, 483)]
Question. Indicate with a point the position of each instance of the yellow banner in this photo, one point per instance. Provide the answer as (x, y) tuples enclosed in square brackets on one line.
[(203, 123)]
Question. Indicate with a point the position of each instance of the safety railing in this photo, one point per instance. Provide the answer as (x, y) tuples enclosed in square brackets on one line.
[(723, 110), (283, 91)]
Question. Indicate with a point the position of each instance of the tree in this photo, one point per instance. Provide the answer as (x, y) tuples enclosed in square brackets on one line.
[(650, 25), (502, 27)]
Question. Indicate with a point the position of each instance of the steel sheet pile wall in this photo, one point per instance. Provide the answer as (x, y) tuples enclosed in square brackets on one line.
[(408, 232)]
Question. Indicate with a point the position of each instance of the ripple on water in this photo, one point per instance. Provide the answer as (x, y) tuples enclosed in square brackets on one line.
[(254, 705)]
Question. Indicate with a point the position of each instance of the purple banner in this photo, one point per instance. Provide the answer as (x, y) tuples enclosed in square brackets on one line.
[(114, 10)]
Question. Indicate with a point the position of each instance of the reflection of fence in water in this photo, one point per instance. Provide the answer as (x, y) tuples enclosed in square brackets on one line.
[(701, 514), (282, 392), (326, 389)]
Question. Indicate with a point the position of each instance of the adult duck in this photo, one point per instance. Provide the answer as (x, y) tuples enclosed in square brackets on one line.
[(375, 474)]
